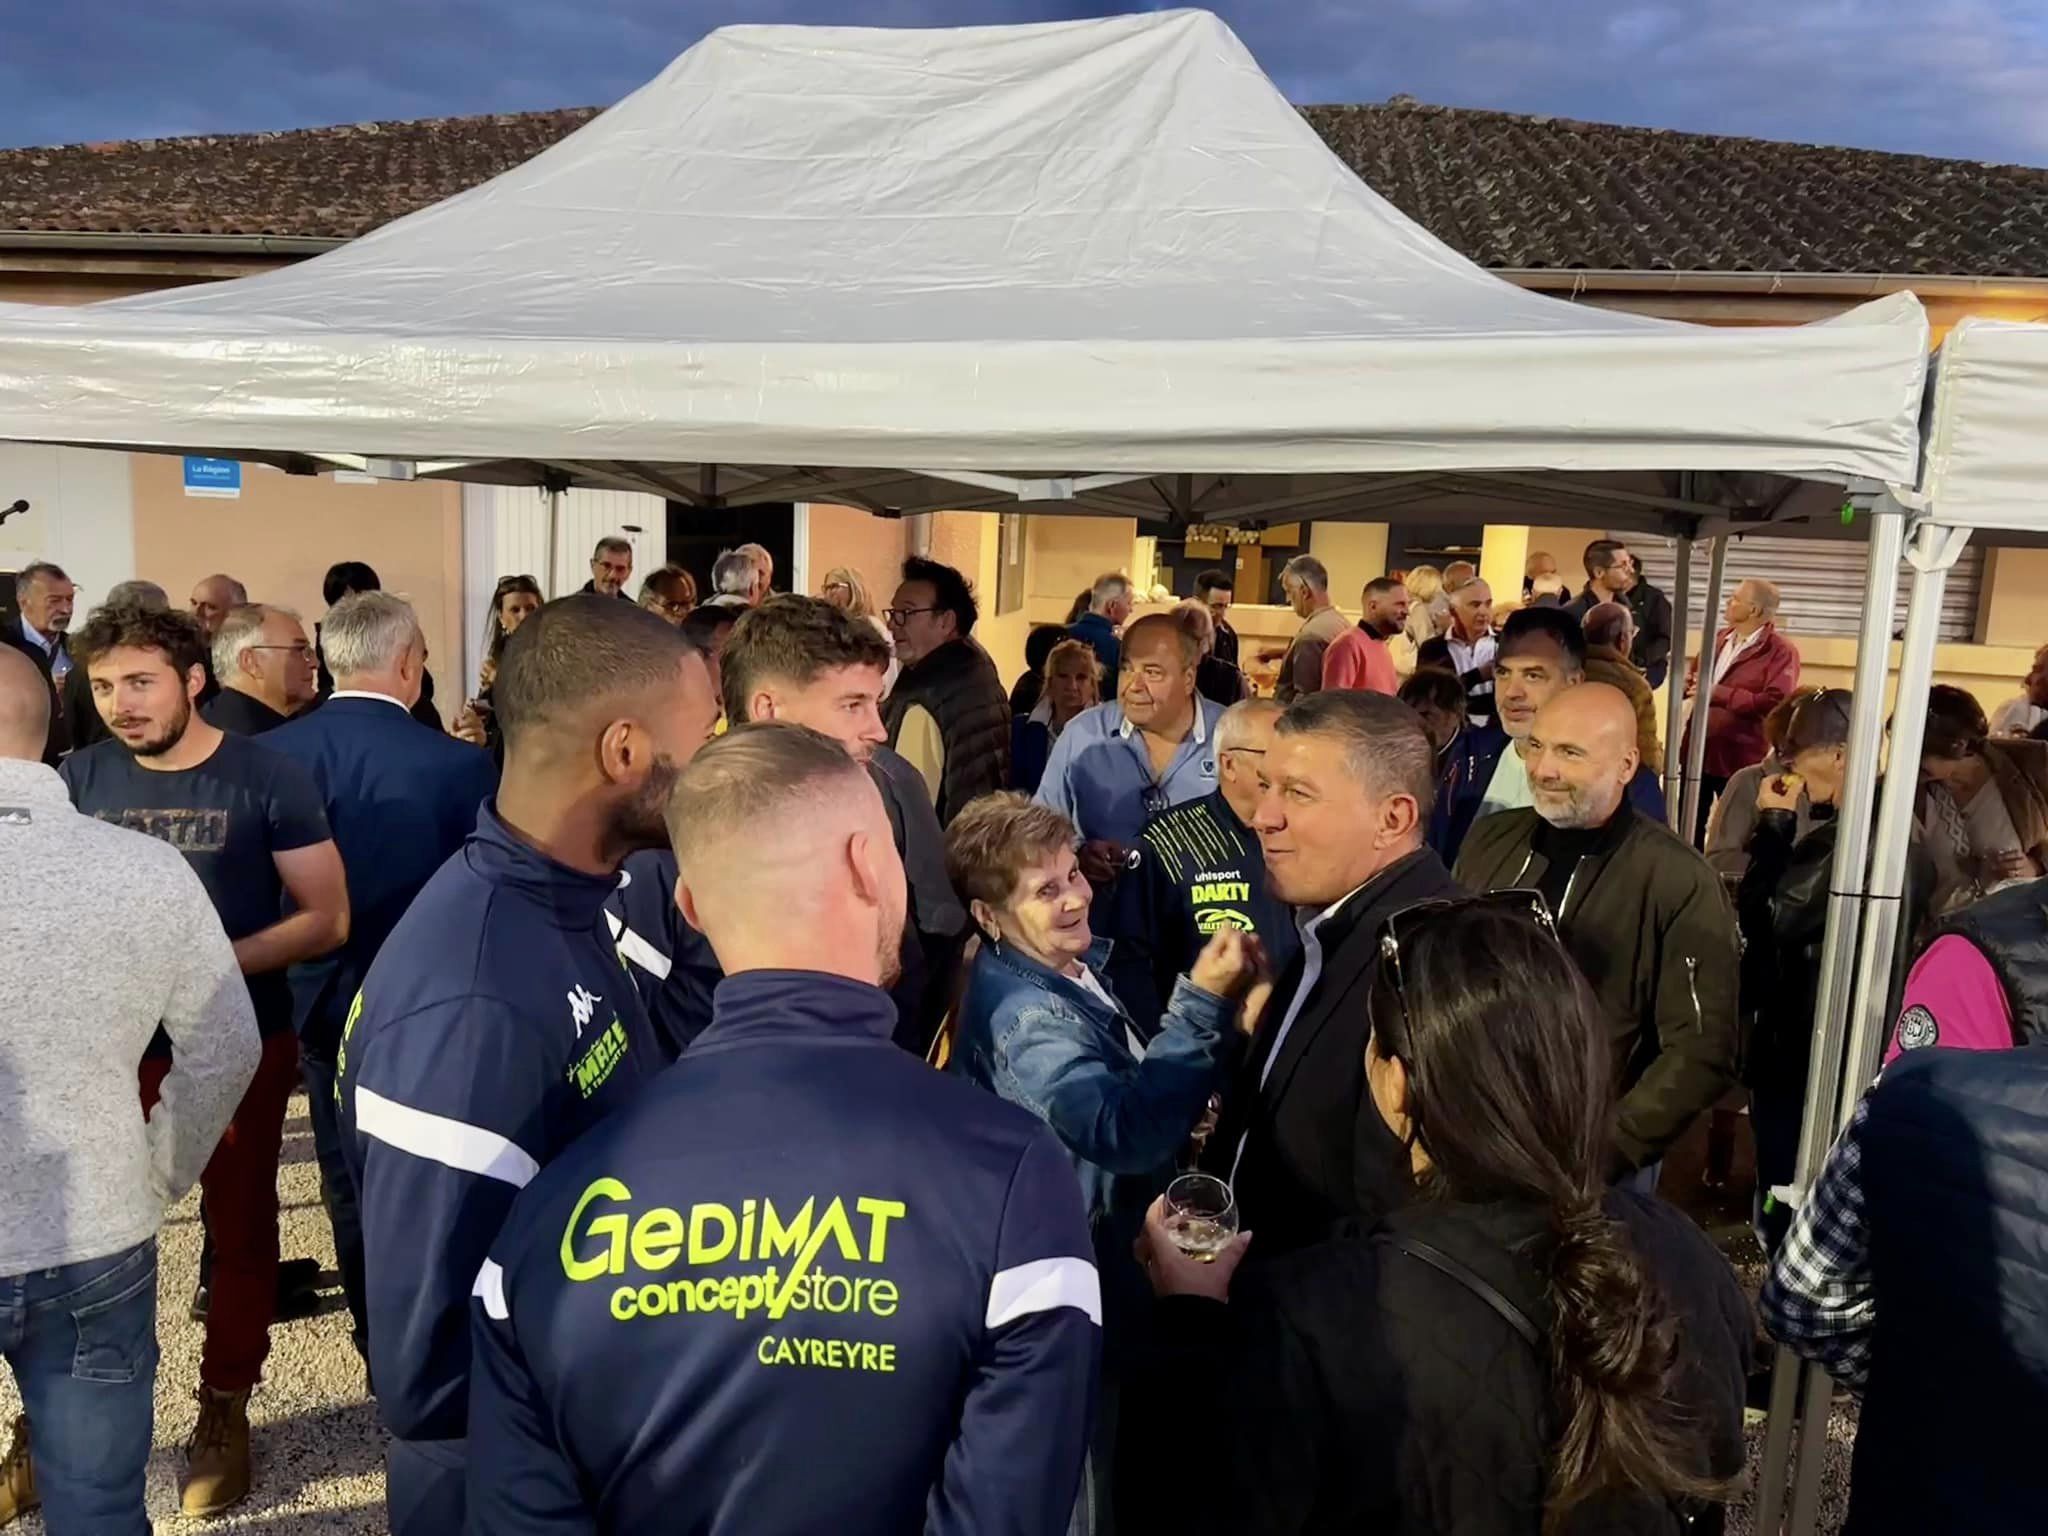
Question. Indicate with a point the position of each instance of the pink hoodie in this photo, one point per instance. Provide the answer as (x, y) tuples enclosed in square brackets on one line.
[(1953, 998)]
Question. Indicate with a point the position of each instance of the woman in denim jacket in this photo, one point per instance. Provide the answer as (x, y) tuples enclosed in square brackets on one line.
[(1040, 1028)]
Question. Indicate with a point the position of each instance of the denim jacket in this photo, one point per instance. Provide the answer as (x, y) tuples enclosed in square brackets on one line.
[(1038, 1039)]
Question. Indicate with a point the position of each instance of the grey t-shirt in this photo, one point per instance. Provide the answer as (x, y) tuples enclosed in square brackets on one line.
[(105, 933)]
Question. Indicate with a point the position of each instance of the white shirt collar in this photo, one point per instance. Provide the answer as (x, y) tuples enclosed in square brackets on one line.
[(365, 693), (1201, 732), (45, 643)]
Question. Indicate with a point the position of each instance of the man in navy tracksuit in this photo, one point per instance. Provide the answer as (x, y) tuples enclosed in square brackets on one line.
[(802, 1283), (496, 1023), (801, 660)]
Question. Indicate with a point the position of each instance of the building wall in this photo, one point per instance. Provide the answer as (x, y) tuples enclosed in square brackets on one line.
[(80, 515), (281, 534), (872, 546)]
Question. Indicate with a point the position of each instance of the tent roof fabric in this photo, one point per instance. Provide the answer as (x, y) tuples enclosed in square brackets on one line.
[(1088, 248), (1987, 439), (1503, 189)]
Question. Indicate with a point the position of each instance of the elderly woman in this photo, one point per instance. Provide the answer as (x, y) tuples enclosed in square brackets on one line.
[(1429, 609), (1734, 815), (1039, 1027), (669, 593), (1073, 682), (1983, 804)]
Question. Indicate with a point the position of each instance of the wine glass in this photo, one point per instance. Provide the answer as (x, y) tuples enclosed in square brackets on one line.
[(1201, 1216)]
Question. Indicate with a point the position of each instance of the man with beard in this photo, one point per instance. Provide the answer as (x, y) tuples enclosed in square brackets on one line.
[(496, 1022), (806, 662), (250, 823), (1359, 657), (1642, 914), (856, 1294)]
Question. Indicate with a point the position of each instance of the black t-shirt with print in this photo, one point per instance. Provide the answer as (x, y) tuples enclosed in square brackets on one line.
[(228, 816)]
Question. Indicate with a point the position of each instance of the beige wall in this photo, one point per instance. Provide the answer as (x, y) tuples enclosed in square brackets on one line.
[(279, 537), (873, 546), (1353, 554)]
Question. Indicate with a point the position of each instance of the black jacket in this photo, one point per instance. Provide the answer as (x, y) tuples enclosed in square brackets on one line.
[(1782, 905), (2010, 929), (58, 741), (957, 685), (1652, 611), (1354, 1388), (241, 714), (1316, 1155)]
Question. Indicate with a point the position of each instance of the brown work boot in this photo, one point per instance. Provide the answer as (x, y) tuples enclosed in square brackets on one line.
[(18, 1477), (217, 1455)]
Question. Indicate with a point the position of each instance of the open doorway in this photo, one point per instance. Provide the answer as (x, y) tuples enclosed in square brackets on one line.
[(697, 536)]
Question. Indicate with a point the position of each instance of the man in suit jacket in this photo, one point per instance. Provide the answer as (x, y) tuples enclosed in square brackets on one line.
[(45, 596), (401, 799), (1341, 823)]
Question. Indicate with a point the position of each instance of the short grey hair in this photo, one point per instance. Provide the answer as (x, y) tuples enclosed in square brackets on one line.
[(241, 629), (1237, 720), (759, 555), (1194, 617), (1309, 571), (1107, 589), (33, 572), (368, 632), (611, 543), (1766, 595), (138, 594), (1385, 748), (733, 573)]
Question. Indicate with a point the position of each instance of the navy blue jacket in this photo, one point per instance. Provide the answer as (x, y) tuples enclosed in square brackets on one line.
[(1100, 634), (1465, 771), (671, 963), (804, 1283), (401, 798), (1955, 1180), (495, 1027)]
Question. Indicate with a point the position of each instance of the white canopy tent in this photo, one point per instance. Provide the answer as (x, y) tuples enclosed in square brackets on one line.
[(1100, 263), (1986, 471)]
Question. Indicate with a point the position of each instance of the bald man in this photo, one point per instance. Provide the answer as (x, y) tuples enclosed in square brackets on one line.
[(1642, 914), (852, 1284)]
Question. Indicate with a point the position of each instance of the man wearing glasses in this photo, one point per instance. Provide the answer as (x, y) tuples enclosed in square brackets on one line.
[(266, 670), (1200, 870), (948, 714)]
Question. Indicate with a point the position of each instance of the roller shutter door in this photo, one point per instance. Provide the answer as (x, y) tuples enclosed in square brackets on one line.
[(1820, 581)]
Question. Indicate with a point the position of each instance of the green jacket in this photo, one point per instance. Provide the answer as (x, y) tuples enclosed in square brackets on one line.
[(1652, 929)]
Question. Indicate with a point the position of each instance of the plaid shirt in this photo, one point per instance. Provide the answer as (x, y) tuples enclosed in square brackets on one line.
[(1818, 1299)]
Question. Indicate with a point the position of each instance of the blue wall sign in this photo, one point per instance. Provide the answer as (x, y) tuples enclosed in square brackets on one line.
[(212, 477)]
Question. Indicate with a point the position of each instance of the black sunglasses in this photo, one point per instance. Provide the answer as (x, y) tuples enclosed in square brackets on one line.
[(1516, 902)]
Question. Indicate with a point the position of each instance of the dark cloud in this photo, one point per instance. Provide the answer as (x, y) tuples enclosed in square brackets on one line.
[(1948, 77)]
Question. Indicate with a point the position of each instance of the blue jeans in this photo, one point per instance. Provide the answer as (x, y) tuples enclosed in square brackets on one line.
[(82, 1342)]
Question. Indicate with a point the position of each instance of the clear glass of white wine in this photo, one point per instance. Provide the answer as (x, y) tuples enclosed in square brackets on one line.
[(1201, 1216)]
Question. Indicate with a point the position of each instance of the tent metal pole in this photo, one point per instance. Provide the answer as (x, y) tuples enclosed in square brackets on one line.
[(1934, 553), (1696, 753), (554, 542), (1838, 953), (1674, 680)]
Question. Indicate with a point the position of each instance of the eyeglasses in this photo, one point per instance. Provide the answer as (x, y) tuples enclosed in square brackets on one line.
[(899, 615), (1515, 902), (301, 650)]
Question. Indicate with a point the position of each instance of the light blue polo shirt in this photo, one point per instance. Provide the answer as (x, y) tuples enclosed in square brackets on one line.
[(1100, 777)]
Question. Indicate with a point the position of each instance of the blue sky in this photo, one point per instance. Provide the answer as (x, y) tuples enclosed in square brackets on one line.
[(1965, 78)]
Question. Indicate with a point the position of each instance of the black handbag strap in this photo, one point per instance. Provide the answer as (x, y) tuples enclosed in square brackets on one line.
[(1442, 1262)]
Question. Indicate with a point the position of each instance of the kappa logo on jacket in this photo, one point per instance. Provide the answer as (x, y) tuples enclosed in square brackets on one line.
[(582, 1007)]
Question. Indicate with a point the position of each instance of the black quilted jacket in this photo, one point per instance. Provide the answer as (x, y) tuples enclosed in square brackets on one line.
[(1352, 1388)]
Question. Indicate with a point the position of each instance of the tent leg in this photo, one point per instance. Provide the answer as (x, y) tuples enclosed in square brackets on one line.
[(1838, 952), (1934, 553), (1674, 682), (1696, 746), (554, 542)]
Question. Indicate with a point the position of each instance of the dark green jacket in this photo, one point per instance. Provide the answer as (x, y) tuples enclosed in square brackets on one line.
[(1652, 930)]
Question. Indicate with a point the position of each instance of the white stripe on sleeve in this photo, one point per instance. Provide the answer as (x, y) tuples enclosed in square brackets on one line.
[(490, 1290), (638, 950), (438, 1139), (1044, 1285)]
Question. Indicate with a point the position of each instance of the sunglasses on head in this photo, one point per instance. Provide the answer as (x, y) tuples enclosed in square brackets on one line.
[(1403, 925)]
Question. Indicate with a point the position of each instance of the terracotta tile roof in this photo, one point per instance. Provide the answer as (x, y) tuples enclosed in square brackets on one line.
[(1508, 190)]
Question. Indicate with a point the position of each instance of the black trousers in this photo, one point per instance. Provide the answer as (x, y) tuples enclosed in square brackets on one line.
[(338, 1192)]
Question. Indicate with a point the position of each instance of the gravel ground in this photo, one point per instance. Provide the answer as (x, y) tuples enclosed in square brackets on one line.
[(319, 1449)]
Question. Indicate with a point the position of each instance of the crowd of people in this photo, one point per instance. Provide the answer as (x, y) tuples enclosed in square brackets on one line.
[(618, 1004)]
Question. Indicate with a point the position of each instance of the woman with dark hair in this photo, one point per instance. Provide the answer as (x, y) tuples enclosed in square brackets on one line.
[(1503, 1355), (1734, 814), (513, 601), (1983, 804), (1030, 684), (669, 593), (1782, 905)]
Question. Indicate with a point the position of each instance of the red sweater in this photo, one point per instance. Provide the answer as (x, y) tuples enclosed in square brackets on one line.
[(1358, 660)]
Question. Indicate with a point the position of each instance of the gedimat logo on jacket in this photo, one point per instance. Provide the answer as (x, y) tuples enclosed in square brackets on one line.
[(604, 1242)]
